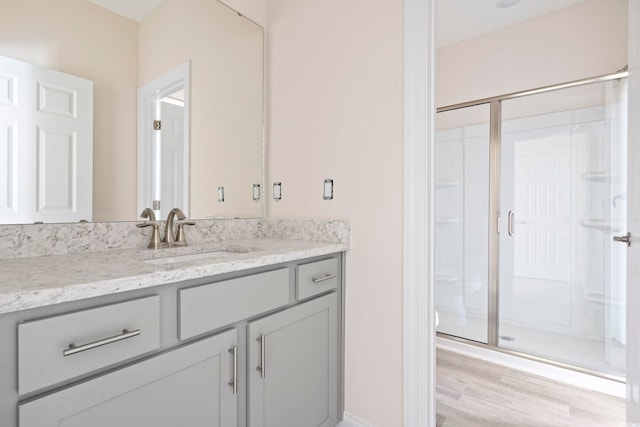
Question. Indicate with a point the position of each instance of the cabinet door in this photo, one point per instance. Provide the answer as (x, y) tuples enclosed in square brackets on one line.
[(292, 366), (187, 387)]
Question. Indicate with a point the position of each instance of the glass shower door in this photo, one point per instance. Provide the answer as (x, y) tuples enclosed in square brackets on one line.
[(562, 199), (462, 218)]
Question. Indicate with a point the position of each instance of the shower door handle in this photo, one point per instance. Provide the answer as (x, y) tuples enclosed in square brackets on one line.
[(624, 239), (511, 223)]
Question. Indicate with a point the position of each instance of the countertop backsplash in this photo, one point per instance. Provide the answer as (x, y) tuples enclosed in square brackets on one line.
[(34, 240)]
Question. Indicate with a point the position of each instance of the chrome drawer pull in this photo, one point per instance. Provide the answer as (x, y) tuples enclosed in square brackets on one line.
[(262, 340), (73, 349), (234, 383), (322, 279)]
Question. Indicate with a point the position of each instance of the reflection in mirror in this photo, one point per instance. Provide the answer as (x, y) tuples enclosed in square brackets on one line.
[(172, 177), (120, 55), (46, 146), (163, 142)]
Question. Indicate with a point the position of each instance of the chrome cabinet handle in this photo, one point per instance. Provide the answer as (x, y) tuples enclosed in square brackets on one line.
[(260, 368), (511, 223), (73, 349), (624, 239), (234, 382), (322, 279)]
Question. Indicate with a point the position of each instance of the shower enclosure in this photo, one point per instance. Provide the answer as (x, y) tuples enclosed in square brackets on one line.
[(531, 191)]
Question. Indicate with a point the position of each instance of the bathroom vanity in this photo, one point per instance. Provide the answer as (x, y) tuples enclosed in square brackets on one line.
[(242, 333)]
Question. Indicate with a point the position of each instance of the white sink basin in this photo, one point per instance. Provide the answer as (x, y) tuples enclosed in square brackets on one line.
[(190, 257)]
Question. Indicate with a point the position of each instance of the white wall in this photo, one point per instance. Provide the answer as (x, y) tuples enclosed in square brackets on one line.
[(335, 111), (581, 41)]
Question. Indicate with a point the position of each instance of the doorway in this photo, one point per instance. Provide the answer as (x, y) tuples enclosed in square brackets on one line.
[(530, 193), (164, 142)]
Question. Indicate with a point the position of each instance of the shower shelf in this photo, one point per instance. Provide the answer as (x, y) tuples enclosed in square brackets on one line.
[(448, 278), (446, 220), (600, 176), (446, 184), (601, 298), (600, 224)]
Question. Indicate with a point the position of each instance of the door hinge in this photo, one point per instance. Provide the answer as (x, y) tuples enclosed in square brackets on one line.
[(623, 239), (157, 125)]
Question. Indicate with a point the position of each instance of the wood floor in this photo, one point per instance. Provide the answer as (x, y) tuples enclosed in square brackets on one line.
[(472, 392)]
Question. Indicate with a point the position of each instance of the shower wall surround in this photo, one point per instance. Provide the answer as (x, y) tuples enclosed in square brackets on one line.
[(32, 240)]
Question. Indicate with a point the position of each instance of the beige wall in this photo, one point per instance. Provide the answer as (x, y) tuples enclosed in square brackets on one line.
[(226, 57), (335, 111), (581, 41), (80, 38)]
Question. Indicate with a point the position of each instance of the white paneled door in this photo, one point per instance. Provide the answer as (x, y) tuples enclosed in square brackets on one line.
[(172, 156), (46, 145), (541, 212)]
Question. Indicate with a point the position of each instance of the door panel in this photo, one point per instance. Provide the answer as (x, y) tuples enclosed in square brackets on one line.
[(17, 97), (560, 281), (541, 209), (186, 387), (297, 384), (46, 129), (64, 146), (172, 174), (462, 222)]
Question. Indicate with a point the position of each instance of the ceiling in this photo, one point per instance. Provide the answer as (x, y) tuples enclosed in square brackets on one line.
[(136, 10), (457, 20)]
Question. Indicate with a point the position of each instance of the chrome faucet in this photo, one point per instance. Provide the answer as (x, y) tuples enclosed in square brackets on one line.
[(169, 238), (168, 229), (148, 213)]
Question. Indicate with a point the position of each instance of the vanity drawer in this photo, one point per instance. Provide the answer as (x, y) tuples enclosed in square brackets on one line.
[(54, 349), (316, 277), (208, 307)]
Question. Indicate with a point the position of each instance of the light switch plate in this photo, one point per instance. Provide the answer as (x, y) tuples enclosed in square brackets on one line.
[(328, 189), (277, 191)]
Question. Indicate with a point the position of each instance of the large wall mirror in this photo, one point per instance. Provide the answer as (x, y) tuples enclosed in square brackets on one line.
[(120, 55)]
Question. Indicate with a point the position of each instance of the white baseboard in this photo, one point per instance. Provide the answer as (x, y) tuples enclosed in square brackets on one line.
[(567, 376), (351, 421)]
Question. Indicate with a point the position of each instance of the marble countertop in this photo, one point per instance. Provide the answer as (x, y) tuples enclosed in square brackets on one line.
[(40, 281)]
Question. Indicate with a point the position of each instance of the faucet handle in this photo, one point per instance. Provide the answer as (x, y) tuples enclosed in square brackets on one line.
[(154, 242), (180, 236)]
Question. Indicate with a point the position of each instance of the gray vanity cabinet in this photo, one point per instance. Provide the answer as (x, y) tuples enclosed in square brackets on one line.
[(182, 388), (292, 366), (183, 354)]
